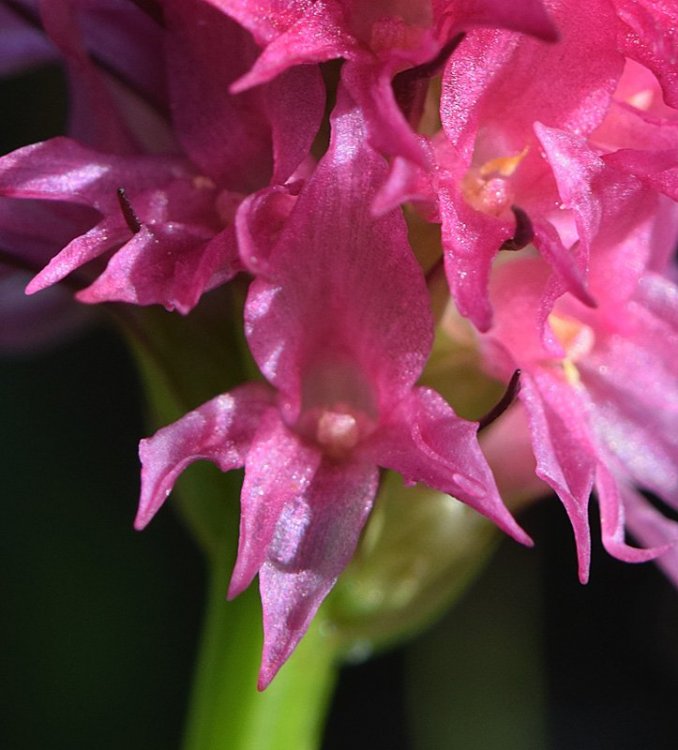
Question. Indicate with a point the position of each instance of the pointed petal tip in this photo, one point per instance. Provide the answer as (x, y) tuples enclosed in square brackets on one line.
[(264, 680), (269, 669), (235, 587), (39, 282), (141, 521), (242, 84), (516, 532)]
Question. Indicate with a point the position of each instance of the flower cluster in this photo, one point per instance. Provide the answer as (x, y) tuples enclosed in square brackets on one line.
[(541, 136)]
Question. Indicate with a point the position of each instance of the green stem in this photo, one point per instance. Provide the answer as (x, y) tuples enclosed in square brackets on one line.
[(227, 712)]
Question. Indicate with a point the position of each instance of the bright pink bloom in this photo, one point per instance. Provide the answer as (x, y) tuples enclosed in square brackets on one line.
[(600, 386), (339, 323), (517, 160), (107, 110), (378, 40), (175, 238), (180, 248)]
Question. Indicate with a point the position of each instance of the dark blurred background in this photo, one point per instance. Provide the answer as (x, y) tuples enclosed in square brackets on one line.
[(100, 623)]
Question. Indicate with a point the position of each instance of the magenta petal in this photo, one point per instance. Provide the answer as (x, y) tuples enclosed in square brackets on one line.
[(407, 182), (61, 169), (387, 128), (653, 529), (491, 78), (575, 166), (279, 469), (647, 33), (471, 240), (659, 169), (314, 540), (349, 310), (171, 265), (259, 222), (632, 377), (219, 431), (33, 231), (564, 261), (94, 117), (227, 136), (425, 441), (565, 457), (316, 37), (612, 522), (105, 236), (295, 103)]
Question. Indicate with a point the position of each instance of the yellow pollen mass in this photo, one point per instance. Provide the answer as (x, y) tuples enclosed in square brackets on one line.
[(576, 338)]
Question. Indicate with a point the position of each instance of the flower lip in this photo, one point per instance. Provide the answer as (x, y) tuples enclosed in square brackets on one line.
[(487, 187), (338, 407)]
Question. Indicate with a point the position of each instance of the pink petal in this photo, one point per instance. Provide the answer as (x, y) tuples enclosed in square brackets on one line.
[(407, 182), (94, 117), (628, 127), (171, 265), (575, 166), (331, 237), (566, 460), (658, 169), (612, 522), (388, 130), (523, 298), (653, 529), (425, 441), (259, 222), (647, 33), (227, 136), (34, 231), (490, 79), (107, 235), (566, 262), (219, 431), (316, 536), (314, 35), (61, 169), (471, 240), (295, 104), (266, 19), (279, 469), (632, 377)]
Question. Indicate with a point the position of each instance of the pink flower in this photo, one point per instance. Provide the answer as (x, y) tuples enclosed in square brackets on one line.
[(600, 386), (339, 324), (517, 159), (169, 236)]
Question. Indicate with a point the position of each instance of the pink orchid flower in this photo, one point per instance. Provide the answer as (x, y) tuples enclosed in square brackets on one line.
[(340, 325), (166, 222), (517, 158), (600, 386)]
